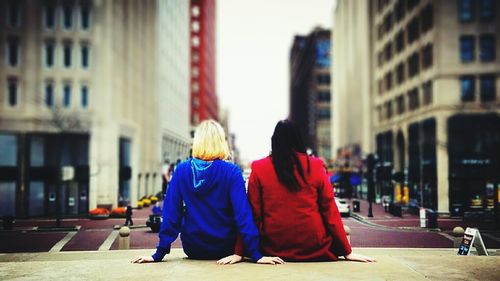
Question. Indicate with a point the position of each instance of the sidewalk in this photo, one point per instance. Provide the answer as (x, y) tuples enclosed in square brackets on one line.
[(408, 221), (392, 264)]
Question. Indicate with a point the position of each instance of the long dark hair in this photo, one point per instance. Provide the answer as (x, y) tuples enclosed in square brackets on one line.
[(286, 142)]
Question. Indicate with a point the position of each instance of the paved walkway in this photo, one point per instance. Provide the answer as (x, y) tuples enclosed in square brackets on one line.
[(392, 264)]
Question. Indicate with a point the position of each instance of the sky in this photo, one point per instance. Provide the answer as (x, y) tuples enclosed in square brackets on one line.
[(254, 38)]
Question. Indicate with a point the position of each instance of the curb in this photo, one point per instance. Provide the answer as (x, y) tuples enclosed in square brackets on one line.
[(399, 228)]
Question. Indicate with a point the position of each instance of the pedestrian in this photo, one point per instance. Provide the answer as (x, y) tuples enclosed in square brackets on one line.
[(293, 203), (207, 203), (128, 216)]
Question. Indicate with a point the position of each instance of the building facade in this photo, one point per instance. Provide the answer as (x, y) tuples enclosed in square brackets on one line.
[(204, 101), (434, 100), (310, 93), (80, 122), (352, 83), (173, 81)]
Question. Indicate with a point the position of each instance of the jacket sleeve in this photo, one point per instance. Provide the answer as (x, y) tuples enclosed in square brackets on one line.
[(243, 217), (172, 217), (331, 217)]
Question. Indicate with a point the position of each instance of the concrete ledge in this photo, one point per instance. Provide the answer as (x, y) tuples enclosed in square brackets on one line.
[(392, 264)]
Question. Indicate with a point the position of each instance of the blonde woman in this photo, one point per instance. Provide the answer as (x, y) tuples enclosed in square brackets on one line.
[(207, 204)]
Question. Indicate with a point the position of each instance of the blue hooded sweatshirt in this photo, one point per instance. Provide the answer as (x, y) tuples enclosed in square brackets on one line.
[(206, 202)]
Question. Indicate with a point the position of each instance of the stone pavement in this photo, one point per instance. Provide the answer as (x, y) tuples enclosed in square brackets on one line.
[(392, 264)]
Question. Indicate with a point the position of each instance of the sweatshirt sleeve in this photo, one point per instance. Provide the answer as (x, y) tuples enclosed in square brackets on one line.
[(332, 219), (243, 217), (172, 217)]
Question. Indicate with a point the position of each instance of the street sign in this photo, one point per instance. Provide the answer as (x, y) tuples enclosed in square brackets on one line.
[(471, 238)]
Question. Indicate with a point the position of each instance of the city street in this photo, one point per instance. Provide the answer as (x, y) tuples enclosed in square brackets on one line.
[(382, 231)]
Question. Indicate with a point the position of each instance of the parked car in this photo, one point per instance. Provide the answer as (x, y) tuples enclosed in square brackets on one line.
[(343, 206)]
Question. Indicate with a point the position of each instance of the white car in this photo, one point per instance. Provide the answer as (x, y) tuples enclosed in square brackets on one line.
[(343, 206)]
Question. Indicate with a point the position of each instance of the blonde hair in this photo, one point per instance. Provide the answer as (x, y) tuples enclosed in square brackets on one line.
[(209, 142)]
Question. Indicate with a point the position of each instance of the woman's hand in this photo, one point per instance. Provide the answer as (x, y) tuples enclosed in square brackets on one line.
[(271, 260), (358, 257), (143, 259), (230, 259)]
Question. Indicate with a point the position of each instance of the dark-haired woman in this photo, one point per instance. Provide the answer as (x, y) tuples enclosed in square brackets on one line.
[(292, 202)]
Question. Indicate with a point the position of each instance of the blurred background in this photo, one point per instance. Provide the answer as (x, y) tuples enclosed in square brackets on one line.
[(99, 98)]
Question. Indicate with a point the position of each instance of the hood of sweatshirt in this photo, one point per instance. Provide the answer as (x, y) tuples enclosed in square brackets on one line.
[(205, 175)]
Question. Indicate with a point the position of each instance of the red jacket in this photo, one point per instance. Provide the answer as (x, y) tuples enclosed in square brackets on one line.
[(301, 226)]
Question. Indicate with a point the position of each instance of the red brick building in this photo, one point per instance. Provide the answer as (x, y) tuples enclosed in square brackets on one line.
[(204, 102)]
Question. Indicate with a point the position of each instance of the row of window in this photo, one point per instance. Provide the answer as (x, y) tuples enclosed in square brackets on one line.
[(67, 14), (469, 10), (49, 94), (401, 5), (411, 100), (487, 47), (415, 62), (49, 53), (420, 24), (487, 88), (406, 102), (416, 27)]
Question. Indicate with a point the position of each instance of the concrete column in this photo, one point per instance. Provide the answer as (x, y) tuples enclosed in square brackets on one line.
[(442, 164)]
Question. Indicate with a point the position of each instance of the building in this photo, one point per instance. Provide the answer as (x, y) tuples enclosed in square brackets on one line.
[(435, 101), (310, 89), (204, 102), (82, 119), (351, 82), (174, 77)]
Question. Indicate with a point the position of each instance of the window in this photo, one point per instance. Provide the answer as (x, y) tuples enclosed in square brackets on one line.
[(410, 4), (413, 99), (85, 16), (195, 26), (84, 96), (427, 56), (465, 10), (388, 51), (49, 94), (413, 31), (67, 95), (67, 55), (400, 41), (467, 87), (323, 113), (400, 101), (380, 58), (49, 54), (487, 47), (388, 81), (13, 14), (323, 79), (400, 73), (399, 10), (380, 86), (13, 51), (426, 18), (388, 110), (195, 41), (427, 91), (195, 11), (85, 55), (67, 16), (12, 92), (49, 16), (380, 31), (467, 48), (324, 96), (413, 65), (388, 22), (487, 87), (487, 10)]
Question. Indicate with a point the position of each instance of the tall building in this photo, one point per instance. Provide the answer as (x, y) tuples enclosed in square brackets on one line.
[(310, 89), (351, 78), (80, 121), (436, 111), (174, 77), (204, 102)]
